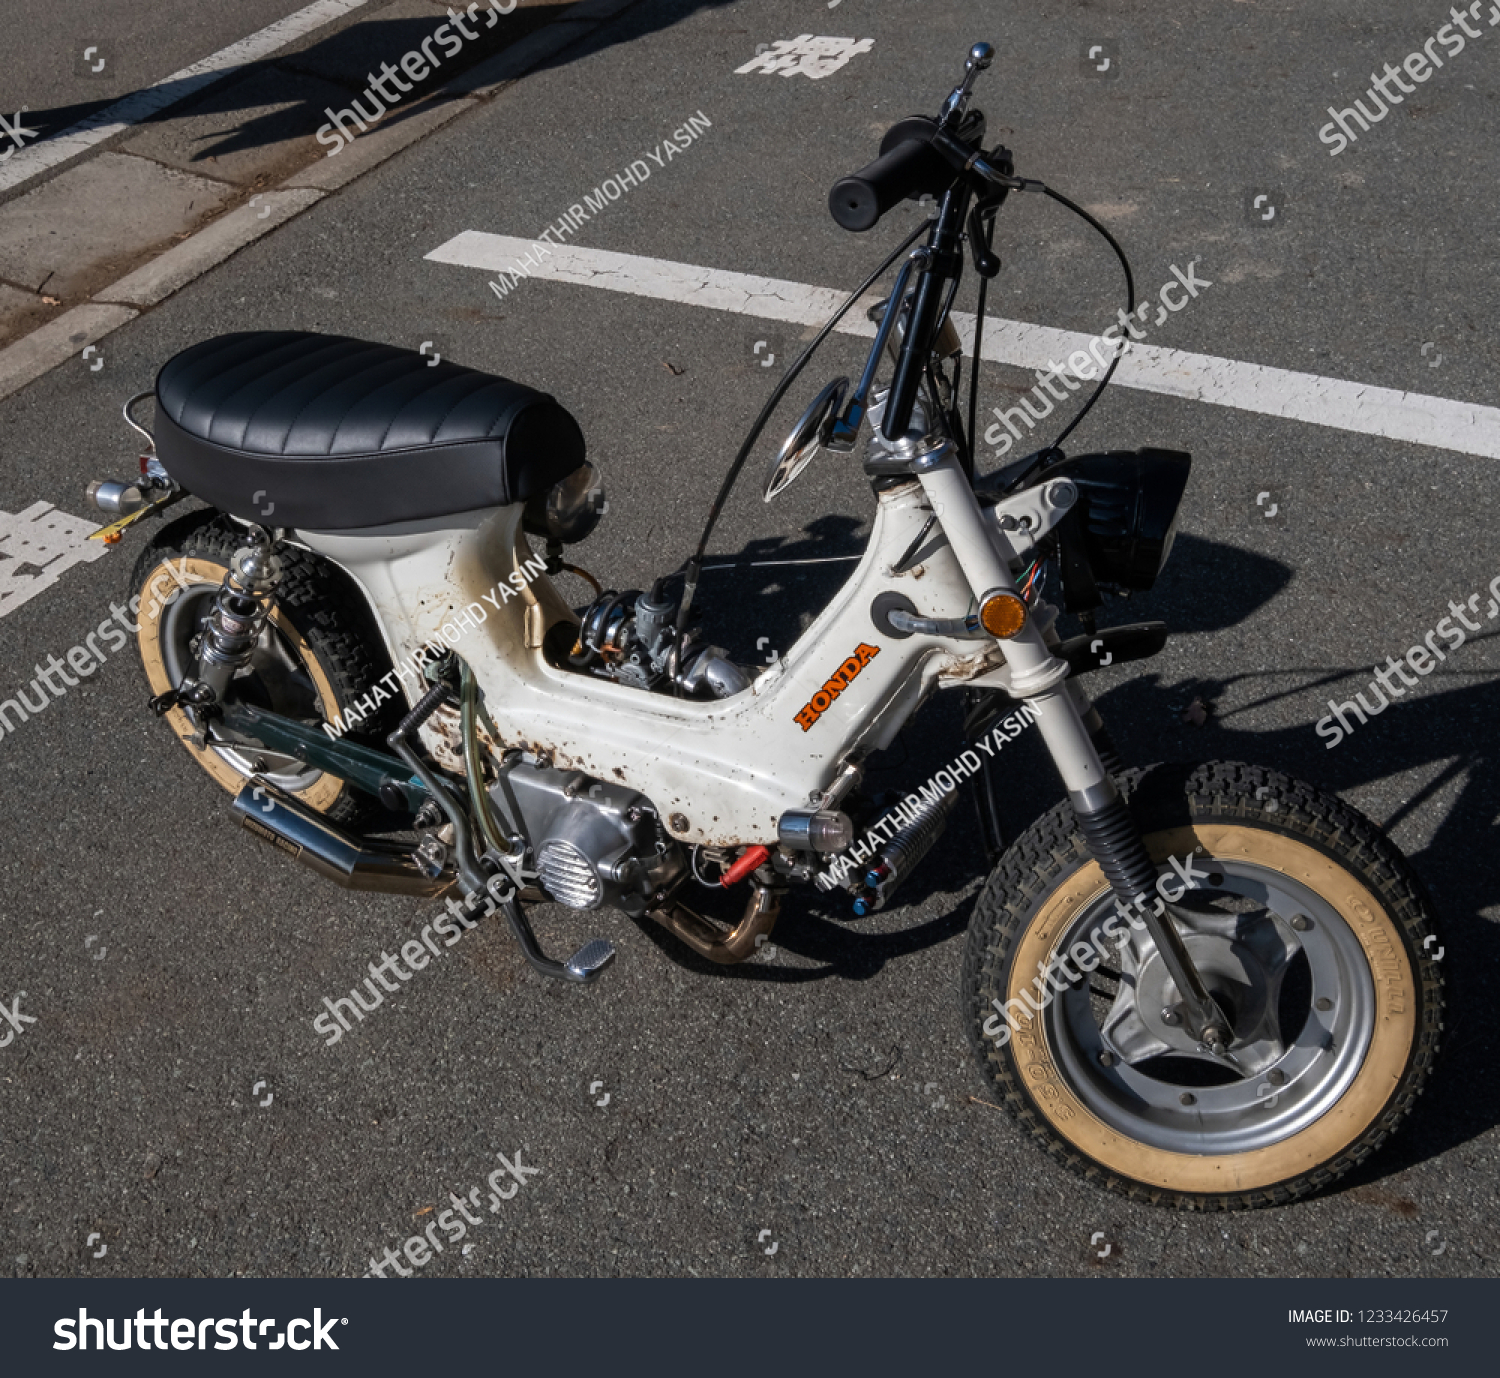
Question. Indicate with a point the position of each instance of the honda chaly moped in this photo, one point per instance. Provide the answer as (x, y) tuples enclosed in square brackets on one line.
[(1203, 986)]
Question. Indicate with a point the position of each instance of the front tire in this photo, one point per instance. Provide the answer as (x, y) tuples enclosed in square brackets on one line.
[(1310, 929)]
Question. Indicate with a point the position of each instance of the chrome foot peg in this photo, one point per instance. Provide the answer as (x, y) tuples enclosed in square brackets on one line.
[(589, 962)]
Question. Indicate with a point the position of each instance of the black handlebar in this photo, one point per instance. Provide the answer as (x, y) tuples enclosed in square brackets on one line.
[(912, 166)]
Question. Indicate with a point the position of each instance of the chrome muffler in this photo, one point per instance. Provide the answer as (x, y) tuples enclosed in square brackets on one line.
[(305, 835)]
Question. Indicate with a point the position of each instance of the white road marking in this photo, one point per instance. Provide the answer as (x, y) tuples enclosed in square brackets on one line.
[(1307, 397), (139, 105), (45, 540)]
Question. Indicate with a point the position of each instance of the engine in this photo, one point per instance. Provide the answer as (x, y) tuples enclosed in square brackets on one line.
[(595, 845), (630, 637)]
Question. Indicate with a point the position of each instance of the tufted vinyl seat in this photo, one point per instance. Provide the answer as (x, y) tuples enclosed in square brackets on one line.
[(340, 433)]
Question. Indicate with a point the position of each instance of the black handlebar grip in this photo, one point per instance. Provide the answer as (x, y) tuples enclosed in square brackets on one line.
[(858, 201)]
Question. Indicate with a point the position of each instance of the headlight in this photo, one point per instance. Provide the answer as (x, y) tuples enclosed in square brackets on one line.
[(1128, 502), (1125, 520), (568, 510)]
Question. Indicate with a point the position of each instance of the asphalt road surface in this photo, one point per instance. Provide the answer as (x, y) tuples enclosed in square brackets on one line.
[(172, 1111)]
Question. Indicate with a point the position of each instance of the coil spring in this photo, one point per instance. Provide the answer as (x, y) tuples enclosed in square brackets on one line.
[(904, 852), (241, 608), (909, 844), (1115, 841)]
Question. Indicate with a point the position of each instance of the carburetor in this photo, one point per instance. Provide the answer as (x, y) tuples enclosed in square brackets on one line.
[(631, 637)]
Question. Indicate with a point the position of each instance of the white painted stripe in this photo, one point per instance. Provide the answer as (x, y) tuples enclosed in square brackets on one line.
[(35, 159), (1334, 402), (46, 541)]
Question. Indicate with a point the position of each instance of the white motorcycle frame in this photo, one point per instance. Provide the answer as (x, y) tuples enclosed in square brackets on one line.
[(722, 772)]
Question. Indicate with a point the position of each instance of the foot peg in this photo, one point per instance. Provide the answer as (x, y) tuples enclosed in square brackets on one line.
[(585, 966), (590, 960)]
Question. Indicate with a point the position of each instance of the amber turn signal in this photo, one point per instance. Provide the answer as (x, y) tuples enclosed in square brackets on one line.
[(1002, 614)]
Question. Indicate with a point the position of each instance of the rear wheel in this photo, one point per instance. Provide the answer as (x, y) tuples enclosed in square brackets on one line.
[(1310, 930), (318, 653)]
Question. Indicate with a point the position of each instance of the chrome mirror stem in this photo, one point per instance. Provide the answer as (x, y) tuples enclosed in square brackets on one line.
[(980, 57), (845, 429)]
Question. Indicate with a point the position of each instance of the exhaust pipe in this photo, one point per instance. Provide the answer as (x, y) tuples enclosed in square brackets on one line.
[(708, 941), (110, 495), (290, 826)]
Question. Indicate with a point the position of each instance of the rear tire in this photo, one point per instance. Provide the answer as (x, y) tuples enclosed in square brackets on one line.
[(1311, 930), (319, 653)]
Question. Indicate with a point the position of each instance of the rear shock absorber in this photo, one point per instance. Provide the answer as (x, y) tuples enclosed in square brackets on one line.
[(902, 854), (239, 614)]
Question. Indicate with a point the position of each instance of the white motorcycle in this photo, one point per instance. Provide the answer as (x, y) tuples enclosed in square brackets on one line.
[(1210, 987)]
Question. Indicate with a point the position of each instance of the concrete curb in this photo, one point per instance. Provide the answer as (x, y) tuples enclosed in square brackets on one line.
[(57, 342), (491, 76), (386, 140), (26, 360), (157, 280)]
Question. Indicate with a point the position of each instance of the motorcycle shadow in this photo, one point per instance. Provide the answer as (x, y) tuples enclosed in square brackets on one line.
[(755, 612), (1440, 736), (1444, 739), (752, 610)]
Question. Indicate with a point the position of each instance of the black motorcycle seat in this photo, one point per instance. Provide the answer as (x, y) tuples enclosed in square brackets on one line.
[(297, 429)]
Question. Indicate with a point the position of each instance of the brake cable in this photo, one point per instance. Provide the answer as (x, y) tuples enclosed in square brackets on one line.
[(1129, 307), (693, 567), (984, 283), (1041, 457)]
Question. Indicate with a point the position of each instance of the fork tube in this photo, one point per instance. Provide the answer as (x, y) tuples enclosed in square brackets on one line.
[(1104, 818), (1037, 675), (917, 346)]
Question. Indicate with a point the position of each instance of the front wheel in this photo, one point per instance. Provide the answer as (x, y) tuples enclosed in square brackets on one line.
[(1312, 933)]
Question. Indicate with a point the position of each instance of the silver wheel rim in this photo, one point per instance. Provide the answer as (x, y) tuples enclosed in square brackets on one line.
[(275, 679), (1168, 1101)]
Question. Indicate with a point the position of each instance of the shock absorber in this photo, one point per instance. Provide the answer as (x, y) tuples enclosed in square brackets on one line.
[(901, 855), (240, 610)]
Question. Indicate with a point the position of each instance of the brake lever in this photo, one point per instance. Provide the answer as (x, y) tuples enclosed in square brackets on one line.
[(986, 261)]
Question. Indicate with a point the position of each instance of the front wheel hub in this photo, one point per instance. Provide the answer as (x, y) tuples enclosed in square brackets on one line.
[(1300, 1003), (1243, 974)]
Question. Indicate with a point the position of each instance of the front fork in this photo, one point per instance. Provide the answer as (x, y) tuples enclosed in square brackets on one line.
[(1038, 676)]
